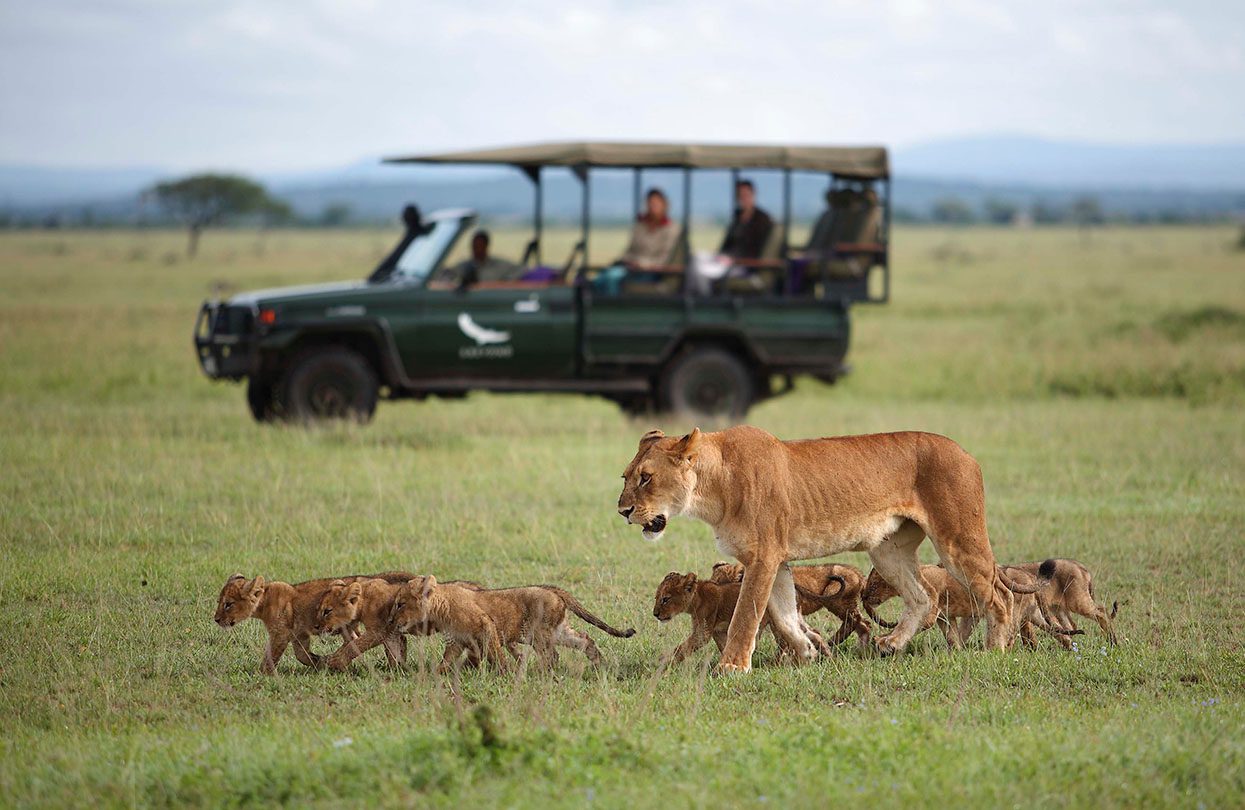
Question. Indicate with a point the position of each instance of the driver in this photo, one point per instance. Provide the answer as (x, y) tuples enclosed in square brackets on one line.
[(481, 266)]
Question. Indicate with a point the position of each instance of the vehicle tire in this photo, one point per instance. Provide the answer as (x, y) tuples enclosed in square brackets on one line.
[(707, 382), (327, 383), (260, 398)]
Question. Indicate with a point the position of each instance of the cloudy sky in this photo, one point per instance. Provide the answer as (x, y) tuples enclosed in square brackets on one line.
[(295, 85)]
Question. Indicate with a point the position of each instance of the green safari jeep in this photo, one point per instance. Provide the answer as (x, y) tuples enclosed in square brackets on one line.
[(331, 351)]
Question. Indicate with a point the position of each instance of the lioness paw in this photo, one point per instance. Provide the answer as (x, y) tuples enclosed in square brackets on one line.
[(729, 668)]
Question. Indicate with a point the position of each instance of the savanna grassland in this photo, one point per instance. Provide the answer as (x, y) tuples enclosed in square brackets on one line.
[(1099, 378)]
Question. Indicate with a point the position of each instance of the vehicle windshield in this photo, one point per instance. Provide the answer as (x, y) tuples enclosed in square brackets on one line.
[(425, 250)]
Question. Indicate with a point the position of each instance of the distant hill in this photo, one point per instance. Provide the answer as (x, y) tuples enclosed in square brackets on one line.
[(29, 186), (1146, 182), (1053, 163)]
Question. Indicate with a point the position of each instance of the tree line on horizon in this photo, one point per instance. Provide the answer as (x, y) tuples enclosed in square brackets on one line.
[(201, 201)]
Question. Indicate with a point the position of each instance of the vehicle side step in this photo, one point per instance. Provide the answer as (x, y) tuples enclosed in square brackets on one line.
[(484, 384)]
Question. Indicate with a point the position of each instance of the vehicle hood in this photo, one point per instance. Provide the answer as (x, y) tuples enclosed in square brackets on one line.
[(296, 293)]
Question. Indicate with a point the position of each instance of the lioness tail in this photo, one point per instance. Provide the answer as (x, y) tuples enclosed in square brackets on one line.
[(582, 612)]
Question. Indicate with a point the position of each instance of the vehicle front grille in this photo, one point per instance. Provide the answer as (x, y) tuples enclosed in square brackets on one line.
[(234, 320)]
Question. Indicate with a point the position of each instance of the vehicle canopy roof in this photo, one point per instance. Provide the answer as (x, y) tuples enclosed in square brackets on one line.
[(864, 162)]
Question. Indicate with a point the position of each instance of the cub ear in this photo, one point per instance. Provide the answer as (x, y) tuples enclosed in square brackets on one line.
[(430, 582), (337, 583), (689, 582), (688, 446), (354, 592), (256, 588), (650, 437), (235, 578)]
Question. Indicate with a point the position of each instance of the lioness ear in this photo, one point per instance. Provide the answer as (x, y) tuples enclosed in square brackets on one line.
[(650, 437), (688, 446)]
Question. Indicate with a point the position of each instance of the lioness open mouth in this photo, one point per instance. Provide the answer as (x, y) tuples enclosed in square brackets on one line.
[(656, 526)]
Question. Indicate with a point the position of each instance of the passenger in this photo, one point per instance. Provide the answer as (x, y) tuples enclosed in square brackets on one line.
[(654, 236), (750, 227), (480, 267)]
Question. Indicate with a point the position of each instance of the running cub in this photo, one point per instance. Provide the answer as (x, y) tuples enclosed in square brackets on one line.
[(710, 604), (287, 611), (370, 602), (816, 580), (484, 622)]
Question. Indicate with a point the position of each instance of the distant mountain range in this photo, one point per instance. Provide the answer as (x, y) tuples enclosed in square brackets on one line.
[(1127, 180)]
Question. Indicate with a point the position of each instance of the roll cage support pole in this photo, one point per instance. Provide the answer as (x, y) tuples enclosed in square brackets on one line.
[(538, 215), (581, 171)]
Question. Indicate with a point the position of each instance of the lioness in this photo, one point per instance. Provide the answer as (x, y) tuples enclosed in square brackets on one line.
[(770, 502), (287, 611), (370, 602), (954, 610), (710, 604), (486, 621), (816, 579), (1071, 590)]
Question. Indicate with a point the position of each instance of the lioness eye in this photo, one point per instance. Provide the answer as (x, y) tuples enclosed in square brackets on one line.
[(645, 478)]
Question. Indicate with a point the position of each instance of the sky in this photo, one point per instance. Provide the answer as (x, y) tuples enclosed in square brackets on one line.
[(319, 83)]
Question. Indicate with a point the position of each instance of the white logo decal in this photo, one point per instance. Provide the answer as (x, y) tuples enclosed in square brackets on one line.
[(478, 333)]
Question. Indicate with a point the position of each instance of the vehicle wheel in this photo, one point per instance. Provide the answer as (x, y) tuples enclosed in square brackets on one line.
[(259, 397), (707, 382), (331, 382)]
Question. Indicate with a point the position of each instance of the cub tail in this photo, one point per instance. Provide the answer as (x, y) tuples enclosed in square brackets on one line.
[(869, 609), (574, 606), (824, 599), (1045, 572)]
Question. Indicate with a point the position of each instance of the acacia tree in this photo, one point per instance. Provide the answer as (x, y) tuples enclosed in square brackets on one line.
[(203, 200)]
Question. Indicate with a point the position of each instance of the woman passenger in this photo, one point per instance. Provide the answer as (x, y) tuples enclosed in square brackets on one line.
[(654, 238)]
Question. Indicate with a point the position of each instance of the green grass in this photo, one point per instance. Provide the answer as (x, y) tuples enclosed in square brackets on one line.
[(1100, 383)]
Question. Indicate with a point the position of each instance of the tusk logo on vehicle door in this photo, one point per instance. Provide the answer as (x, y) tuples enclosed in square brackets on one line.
[(485, 338)]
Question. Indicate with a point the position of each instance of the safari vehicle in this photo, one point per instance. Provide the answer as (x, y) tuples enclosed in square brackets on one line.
[(330, 351)]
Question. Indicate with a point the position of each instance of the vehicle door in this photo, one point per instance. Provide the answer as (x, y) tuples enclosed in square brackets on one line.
[(516, 332)]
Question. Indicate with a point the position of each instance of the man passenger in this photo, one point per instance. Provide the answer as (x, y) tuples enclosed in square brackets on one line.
[(750, 226)]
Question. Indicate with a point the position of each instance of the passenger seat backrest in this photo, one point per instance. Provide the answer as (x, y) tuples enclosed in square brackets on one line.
[(678, 254), (774, 243)]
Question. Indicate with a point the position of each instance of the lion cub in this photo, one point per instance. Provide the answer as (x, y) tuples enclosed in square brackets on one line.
[(710, 604), (287, 611), (485, 622), (370, 602), (815, 580), (1071, 590), (954, 605)]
